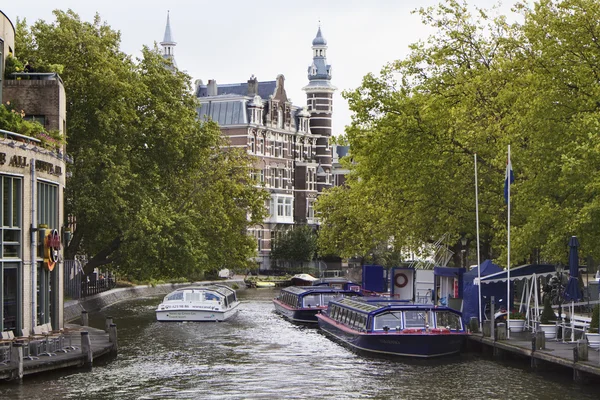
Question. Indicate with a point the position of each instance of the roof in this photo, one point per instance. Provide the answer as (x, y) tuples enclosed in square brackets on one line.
[(319, 40), (265, 89), (230, 112), (522, 272), (168, 38)]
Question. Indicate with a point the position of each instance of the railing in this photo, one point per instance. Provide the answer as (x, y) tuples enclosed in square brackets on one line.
[(98, 286)]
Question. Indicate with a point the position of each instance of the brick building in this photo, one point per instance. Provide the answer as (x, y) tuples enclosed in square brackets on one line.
[(290, 142)]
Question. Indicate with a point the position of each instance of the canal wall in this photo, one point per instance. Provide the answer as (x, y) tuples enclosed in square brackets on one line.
[(73, 308)]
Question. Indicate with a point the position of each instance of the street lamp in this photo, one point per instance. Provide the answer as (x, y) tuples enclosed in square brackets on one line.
[(463, 251)]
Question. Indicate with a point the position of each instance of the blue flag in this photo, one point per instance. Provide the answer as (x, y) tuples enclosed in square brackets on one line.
[(508, 179)]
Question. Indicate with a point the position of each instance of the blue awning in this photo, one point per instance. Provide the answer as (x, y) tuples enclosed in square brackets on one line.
[(448, 271), (522, 272)]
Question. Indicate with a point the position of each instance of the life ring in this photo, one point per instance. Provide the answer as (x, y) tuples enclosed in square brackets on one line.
[(398, 284)]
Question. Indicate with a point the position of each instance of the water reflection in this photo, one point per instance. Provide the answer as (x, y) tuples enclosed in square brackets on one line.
[(259, 355)]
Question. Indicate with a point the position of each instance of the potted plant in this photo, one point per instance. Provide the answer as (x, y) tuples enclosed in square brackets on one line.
[(548, 320), (517, 321), (593, 337)]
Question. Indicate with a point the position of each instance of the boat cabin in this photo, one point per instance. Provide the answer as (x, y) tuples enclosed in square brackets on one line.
[(384, 314), (214, 293), (311, 296)]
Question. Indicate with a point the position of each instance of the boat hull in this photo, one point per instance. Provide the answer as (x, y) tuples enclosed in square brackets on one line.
[(303, 315), (188, 314), (421, 345)]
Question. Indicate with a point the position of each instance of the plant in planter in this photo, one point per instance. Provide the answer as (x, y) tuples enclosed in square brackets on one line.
[(548, 320), (517, 321), (593, 336)]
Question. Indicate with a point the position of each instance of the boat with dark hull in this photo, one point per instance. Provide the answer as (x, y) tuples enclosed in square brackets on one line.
[(387, 326), (302, 303)]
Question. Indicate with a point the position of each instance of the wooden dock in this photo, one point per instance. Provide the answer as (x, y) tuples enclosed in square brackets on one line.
[(83, 345), (555, 353)]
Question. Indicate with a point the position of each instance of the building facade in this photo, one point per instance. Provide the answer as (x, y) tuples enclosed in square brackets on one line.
[(290, 143), (32, 181)]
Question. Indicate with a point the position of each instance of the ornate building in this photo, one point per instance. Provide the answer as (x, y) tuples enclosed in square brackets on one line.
[(290, 143), (168, 44)]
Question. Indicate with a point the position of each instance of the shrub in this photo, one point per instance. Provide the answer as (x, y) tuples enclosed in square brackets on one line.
[(516, 315), (547, 314)]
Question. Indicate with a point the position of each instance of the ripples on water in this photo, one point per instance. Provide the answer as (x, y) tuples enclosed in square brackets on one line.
[(258, 355)]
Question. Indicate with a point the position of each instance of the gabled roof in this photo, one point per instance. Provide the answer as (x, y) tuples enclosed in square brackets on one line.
[(265, 89)]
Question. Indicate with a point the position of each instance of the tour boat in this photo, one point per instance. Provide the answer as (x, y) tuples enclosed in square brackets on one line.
[(302, 303), (387, 326), (199, 303)]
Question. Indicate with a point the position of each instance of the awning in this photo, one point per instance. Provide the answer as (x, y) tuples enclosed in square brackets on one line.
[(448, 271), (522, 272)]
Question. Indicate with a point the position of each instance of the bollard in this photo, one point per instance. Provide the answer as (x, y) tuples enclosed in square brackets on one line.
[(107, 323), (582, 350), (84, 318), (492, 313), (487, 328), (474, 325), (112, 337), (16, 360), (533, 344), (501, 331), (86, 348), (540, 340)]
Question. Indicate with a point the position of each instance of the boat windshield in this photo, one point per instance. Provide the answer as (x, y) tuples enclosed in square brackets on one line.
[(175, 296), (312, 300), (417, 319), (447, 319), (390, 319)]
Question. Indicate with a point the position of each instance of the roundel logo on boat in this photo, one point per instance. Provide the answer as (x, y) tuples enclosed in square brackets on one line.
[(400, 279)]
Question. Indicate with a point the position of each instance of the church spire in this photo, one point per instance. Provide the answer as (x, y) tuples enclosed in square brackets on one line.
[(168, 44)]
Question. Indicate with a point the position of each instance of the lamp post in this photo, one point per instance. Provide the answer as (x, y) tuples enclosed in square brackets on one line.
[(463, 251)]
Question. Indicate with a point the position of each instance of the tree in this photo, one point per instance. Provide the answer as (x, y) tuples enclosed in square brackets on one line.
[(477, 85), (155, 192), (297, 245)]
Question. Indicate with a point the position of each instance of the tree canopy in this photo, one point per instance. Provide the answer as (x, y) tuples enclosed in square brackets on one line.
[(153, 191), (476, 86)]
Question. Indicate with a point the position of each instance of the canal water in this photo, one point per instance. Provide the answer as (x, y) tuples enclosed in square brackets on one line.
[(258, 355)]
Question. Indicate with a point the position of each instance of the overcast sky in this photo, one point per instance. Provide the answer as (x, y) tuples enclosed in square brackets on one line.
[(231, 40)]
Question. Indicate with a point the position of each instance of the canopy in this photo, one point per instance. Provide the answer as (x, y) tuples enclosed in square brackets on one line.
[(448, 271), (522, 272), (572, 291), (487, 268)]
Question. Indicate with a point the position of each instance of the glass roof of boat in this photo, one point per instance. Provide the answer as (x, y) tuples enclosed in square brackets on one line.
[(312, 289), (222, 289), (370, 304)]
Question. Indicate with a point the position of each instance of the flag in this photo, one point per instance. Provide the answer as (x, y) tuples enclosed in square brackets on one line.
[(508, 179)]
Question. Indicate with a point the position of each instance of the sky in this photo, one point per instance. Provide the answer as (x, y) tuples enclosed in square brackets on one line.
[(230, 40)]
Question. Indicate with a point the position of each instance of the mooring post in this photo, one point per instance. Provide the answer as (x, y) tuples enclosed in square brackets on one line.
[(16, 361), (582, 350), (86, 348), (502, 331), (112, 337), (493, 323), (540, 340), (107, 323), (84, 318)]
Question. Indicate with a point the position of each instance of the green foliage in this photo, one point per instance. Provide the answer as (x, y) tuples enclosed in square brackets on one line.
[(547, 313), (477, 85), (595, 318), (297, 245), (156, 193), (516, 315)]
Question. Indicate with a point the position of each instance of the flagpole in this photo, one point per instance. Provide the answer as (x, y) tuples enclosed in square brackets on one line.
[(508, 305), (478, 263)]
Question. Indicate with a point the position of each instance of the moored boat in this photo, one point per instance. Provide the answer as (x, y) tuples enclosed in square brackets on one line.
[(302, 303), (387, 326), (199, 303)]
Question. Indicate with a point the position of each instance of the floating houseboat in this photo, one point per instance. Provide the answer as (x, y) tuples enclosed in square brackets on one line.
[(387, 326), (199, 303), (302, 303)]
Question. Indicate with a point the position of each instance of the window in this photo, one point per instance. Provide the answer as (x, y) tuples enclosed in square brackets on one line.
[(312, 300), (416, 319), (288, 207), (280, 206), (41, 119), (252, 145), (261, 145), (390, 319), (446, 319)]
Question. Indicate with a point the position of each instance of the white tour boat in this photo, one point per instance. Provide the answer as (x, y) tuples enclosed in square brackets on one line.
[(199, 303)]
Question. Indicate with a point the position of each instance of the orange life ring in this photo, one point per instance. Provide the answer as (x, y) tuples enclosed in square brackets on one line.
[(398, 284)]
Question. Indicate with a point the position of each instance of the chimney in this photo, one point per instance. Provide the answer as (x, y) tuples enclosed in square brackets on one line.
[(212, 87), (252, 86)]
